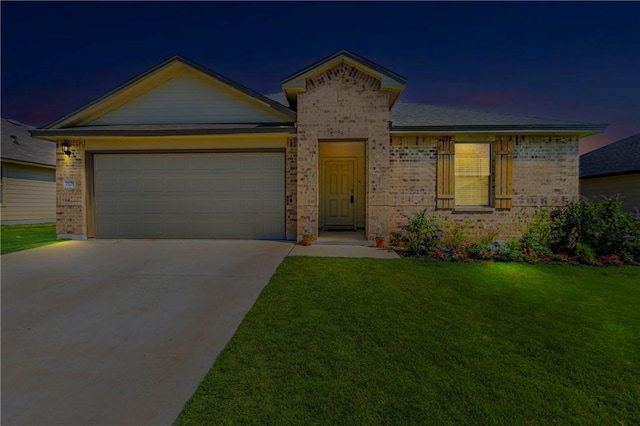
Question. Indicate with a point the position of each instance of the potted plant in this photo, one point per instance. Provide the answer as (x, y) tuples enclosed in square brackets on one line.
[(379, 237), (307, 236)]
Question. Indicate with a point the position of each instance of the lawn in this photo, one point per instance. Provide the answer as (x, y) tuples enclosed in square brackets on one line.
[(365, 341), (23, 237)]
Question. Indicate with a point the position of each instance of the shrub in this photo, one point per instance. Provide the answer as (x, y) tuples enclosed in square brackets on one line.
[(584, 231), (420, 235), (592, 230)]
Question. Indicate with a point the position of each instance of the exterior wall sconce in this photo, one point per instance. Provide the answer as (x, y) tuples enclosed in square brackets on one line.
[(66, 148)]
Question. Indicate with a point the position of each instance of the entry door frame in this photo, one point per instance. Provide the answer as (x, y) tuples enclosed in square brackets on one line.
[(322, 188)]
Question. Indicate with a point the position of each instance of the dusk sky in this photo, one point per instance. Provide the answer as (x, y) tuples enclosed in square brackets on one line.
[(576, 61)]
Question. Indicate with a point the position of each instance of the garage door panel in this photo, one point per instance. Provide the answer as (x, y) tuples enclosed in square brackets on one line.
[(130, 163), (154, 230), (129, 184), (153, 184), (163, 207), (224, 206), (275, 162), (204, 195), (129, 206), (130, 228), (106, 185), (105, 205), (223, 162), (176, 184), (251, 162), (155, 163), (272, 185), (273, 207), (248, 184), (222, 184), (107, 164)]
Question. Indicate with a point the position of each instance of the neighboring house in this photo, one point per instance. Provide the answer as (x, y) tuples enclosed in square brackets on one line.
[(183, 152), (28, 189), (613, 170)]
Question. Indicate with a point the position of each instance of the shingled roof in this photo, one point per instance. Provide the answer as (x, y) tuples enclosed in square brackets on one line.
[(409, 116), (18, 145), (618, 157)]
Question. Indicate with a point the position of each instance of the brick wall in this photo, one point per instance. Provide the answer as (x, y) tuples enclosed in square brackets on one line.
[(291, 188), (545, 174), (70, 202), (340, 104)]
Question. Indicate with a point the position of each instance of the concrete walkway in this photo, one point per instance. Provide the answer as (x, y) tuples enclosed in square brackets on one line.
[(121, 332), (343, 244)]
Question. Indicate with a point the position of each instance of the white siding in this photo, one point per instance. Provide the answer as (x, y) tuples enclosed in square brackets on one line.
[(187, 99), (28, 200)]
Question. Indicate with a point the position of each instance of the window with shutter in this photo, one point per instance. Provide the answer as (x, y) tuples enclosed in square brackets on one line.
[(474, 174)]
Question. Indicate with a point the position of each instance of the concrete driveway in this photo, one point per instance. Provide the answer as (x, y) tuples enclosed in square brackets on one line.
[(121, 332)]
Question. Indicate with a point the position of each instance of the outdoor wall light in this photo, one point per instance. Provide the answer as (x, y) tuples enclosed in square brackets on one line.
[(66, 148)]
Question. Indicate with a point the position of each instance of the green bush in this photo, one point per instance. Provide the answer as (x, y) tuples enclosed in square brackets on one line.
[(594, 233), (420, 235), (591, 230), (439, 236)]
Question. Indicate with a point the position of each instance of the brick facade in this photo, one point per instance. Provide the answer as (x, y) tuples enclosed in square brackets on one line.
[(71, 202), (545, 170), (291, 188), (343, 103)]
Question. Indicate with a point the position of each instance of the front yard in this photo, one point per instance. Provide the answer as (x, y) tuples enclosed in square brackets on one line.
[(364, 341), (23, 237)]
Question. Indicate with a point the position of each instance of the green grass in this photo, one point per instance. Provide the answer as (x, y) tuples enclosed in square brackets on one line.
[(23, 237), (364, 341)]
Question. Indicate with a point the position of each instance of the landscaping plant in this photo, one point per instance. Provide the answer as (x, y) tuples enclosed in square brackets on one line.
[(585, 231)]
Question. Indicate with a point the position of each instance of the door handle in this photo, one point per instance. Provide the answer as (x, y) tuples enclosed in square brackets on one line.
[(352, 199)]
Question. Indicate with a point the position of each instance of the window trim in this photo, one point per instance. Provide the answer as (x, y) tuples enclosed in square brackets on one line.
[(501, 176), (490, 177)]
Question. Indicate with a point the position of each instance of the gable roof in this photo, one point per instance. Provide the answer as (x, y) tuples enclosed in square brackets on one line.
[(618, 157), (415, 117), (92, 108), (390, 81), (19, 146)]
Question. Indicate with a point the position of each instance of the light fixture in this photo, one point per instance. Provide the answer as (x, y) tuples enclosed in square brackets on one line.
[(66, 148)]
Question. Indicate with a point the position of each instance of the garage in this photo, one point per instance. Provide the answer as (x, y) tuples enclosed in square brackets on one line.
[(238, 195)]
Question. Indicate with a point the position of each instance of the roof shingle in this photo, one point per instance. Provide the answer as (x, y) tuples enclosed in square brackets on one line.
[(618, 157), (406, 116)]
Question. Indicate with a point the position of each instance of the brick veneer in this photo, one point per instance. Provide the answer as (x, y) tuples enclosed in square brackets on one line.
[(71, 203), (343, 103), (291, 188), (545, 174)]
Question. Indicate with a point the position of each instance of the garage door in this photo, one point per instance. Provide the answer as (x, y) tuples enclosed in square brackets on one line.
[(194, 195)]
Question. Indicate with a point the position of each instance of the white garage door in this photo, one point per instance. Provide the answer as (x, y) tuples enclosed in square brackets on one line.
[(194, 195)]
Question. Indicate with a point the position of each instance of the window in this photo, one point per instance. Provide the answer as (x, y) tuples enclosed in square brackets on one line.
[(472, 174)]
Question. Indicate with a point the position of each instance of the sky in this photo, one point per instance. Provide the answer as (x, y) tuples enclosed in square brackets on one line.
[(574, 61)]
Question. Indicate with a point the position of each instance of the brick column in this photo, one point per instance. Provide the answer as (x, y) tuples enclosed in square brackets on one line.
[(71, 192)]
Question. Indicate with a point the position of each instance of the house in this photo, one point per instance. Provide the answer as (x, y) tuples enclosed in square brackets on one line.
[(181, 151), (28, 188), (613, 170)]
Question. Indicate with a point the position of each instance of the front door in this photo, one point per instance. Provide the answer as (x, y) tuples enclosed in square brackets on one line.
[(339, 197)]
